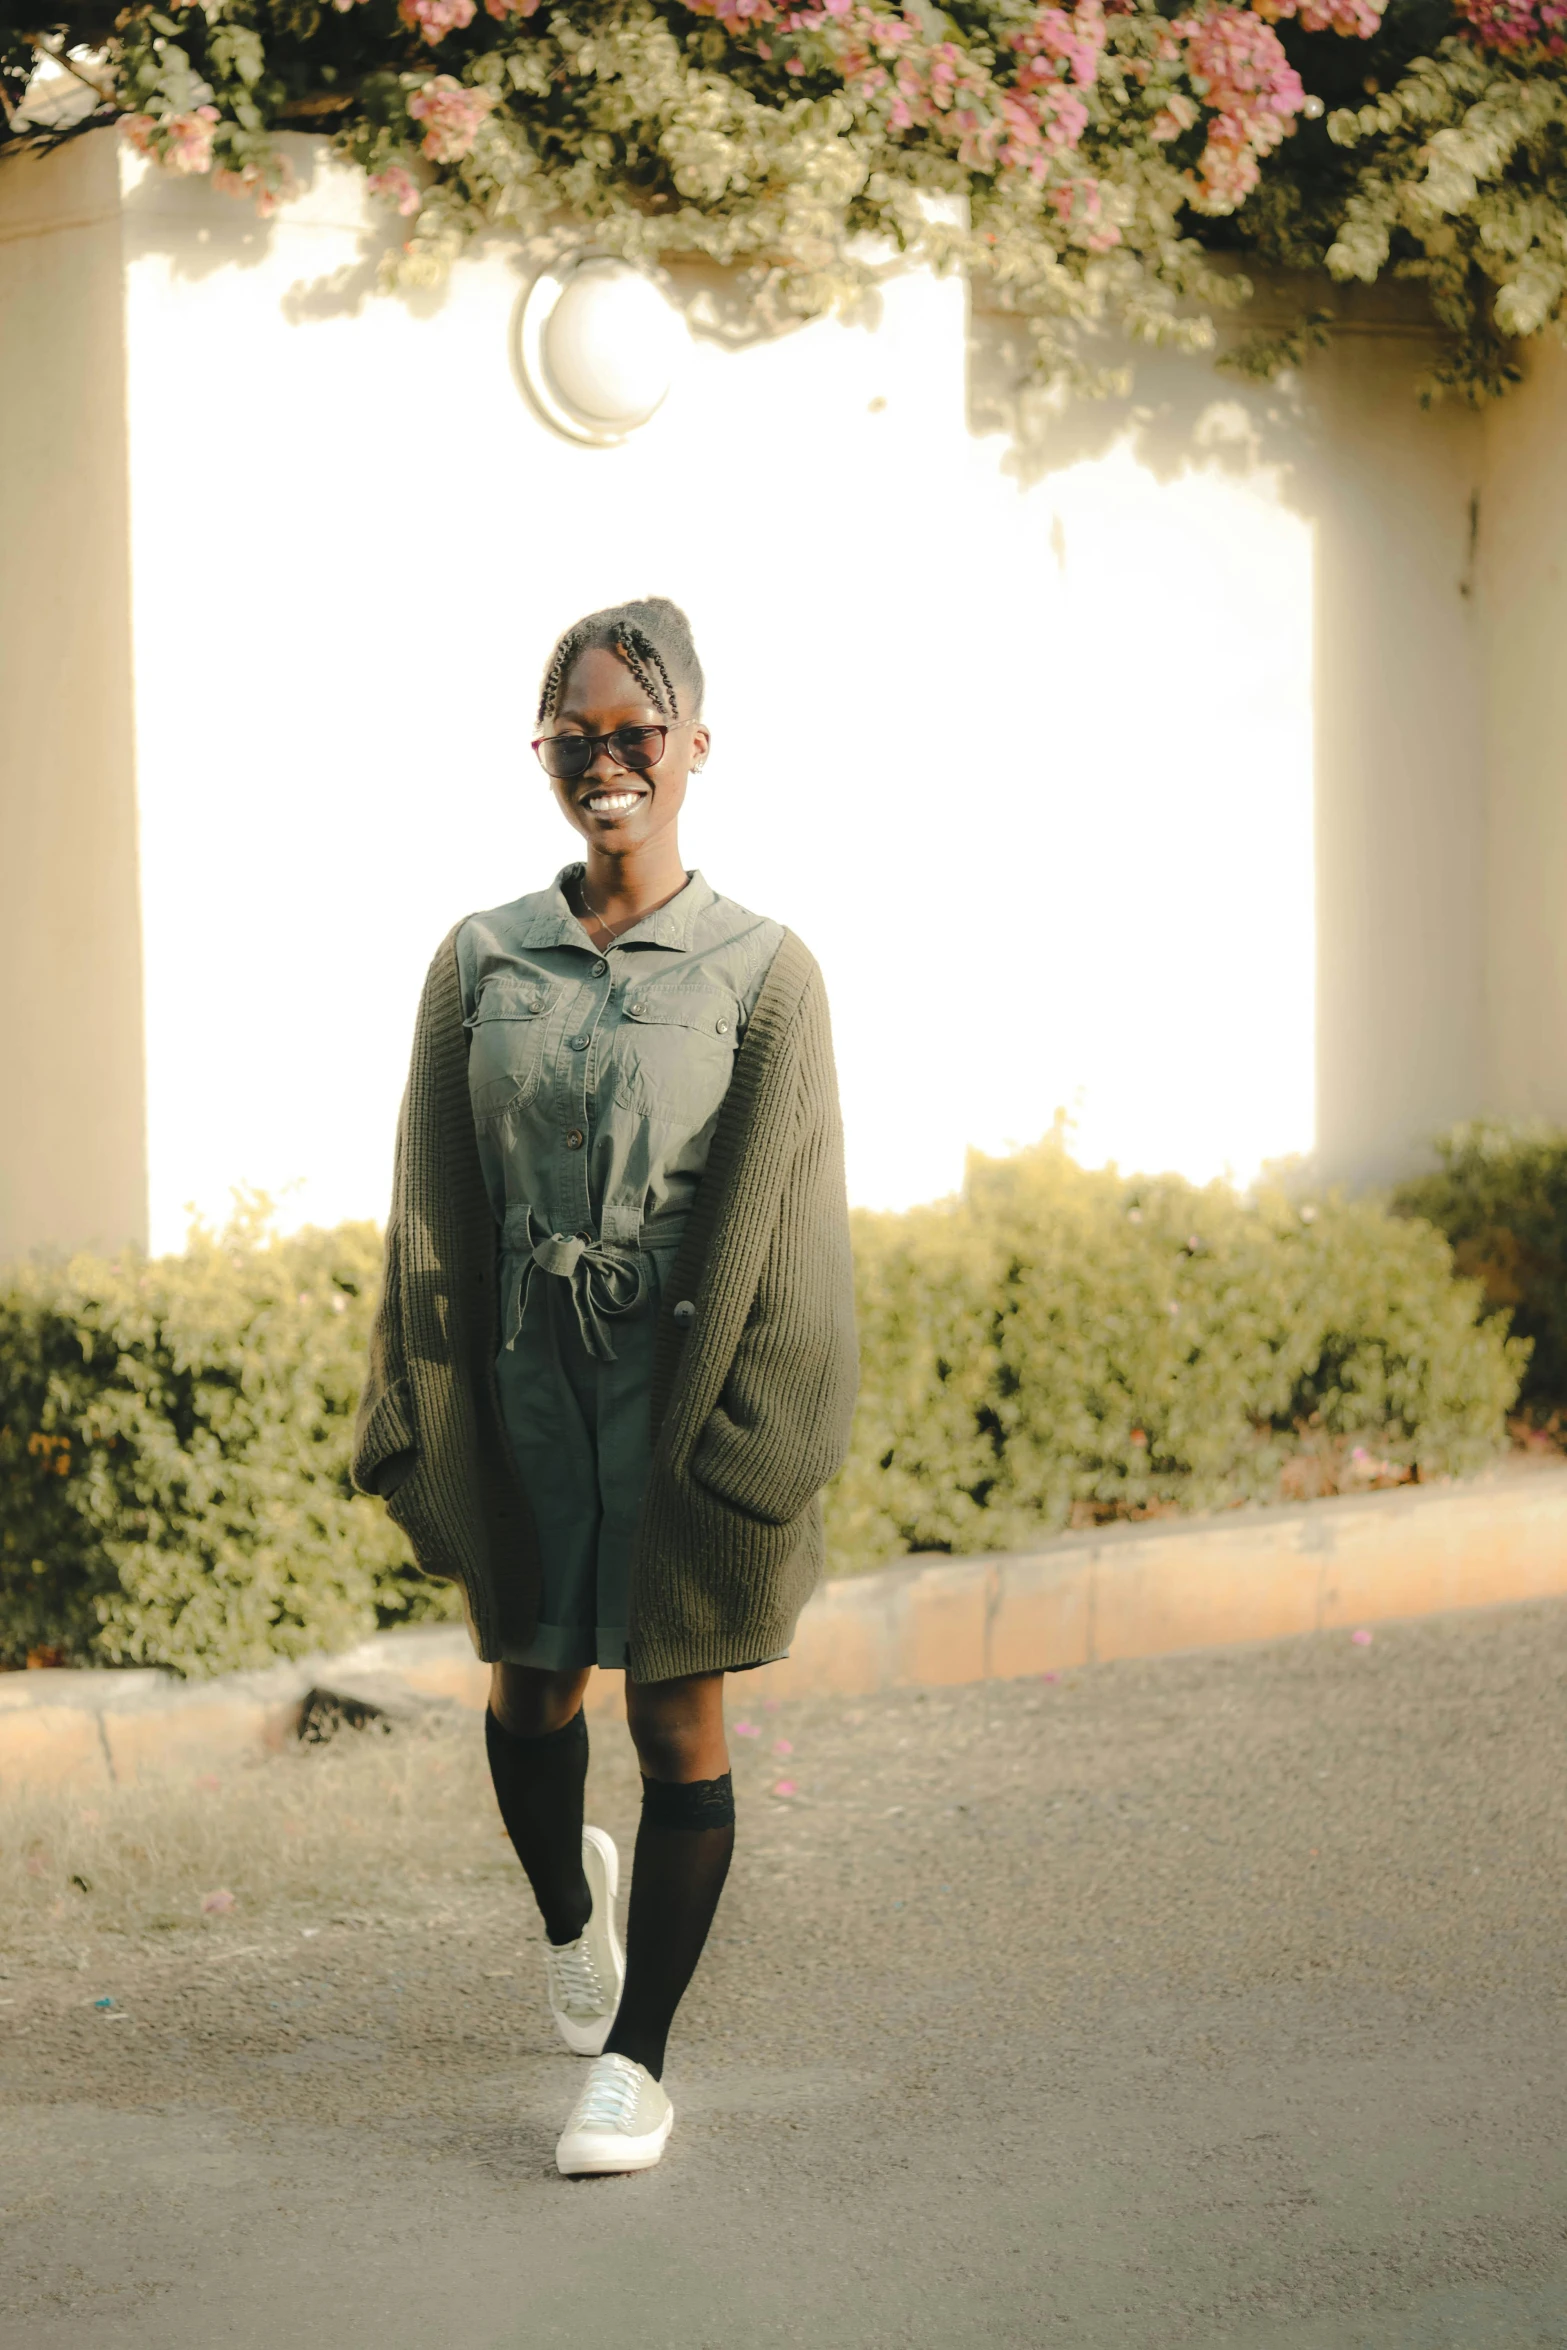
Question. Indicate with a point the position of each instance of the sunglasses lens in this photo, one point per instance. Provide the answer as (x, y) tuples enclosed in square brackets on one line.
[(565, 756), (638, 747)]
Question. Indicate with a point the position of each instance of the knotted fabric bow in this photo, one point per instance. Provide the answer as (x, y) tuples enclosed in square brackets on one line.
[(605, 1283)]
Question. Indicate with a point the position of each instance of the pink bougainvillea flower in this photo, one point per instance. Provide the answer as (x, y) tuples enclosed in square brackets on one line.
[(213, 1904), (1240, 71), (251, 180), (1176, 115), (190, 140), (737, 12), (783, 1746), (180, 142), (452, 116), (501, 9), (1356, 19), (398, 186), (748, 1729), (786, 1787), (1362, 1638), (1517, 26), (436, 18)]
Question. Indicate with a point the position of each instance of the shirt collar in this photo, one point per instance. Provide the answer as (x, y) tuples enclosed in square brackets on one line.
[(553, 924)]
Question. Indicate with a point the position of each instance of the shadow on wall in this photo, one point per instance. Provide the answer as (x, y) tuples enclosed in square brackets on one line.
[(1182, 412), (161, 206), (1394, 497)]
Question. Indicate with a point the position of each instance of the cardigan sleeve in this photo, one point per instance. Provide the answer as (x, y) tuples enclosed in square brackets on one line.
[(386, 1443), (780, 1428), (385, 1446)]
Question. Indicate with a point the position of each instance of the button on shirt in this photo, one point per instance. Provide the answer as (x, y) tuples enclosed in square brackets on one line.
[(596, 1080)]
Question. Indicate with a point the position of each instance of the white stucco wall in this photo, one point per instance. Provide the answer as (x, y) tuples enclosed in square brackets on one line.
[(1031, 767)]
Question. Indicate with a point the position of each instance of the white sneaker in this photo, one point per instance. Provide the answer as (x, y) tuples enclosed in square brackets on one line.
[(585, 1976), (621, 2121)]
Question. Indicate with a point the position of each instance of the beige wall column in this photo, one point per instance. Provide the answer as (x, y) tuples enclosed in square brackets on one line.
[(1400, 756), (73, 1160), (1523, 579)]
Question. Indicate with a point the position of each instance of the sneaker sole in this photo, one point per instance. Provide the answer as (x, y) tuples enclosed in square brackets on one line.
[(595, 2158), (589, 2039)]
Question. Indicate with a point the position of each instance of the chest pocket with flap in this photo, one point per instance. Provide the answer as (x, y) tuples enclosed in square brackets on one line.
[(673, 1054), (508, 1034)]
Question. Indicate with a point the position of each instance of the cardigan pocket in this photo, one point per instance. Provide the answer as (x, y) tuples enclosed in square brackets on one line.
[(387, 1452), (752, 1470)]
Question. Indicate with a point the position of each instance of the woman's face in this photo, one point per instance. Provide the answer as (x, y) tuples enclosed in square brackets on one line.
[(615, 809)]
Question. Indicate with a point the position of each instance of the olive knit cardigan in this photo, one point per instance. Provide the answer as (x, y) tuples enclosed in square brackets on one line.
[(752, 1398)]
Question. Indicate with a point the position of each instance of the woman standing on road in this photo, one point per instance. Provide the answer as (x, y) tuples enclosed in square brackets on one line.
[(614, 1361)]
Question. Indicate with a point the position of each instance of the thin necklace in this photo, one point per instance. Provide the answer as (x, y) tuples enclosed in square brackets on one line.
[(592, 912)]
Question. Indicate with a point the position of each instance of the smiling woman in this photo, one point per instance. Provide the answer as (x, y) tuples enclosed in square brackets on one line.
[(614, 1362)]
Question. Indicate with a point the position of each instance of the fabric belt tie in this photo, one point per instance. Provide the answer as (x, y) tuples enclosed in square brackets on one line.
[(604, 1283)]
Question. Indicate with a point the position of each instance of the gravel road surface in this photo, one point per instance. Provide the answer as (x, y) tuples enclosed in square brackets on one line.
[(1217, 2000)]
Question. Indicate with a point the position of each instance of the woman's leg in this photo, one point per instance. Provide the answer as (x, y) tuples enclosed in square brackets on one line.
[(684, 1843), (538, 1748)]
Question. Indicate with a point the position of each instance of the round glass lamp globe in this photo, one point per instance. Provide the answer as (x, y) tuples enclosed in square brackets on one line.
[(611, 344)]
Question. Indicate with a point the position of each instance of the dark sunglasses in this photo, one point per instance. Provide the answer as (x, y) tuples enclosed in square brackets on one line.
[(568, 756)]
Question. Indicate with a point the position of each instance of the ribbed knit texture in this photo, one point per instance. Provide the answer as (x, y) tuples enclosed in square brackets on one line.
[(751, 1403)]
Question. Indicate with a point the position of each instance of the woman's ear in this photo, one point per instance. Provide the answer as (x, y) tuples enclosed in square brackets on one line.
[(701, 744)]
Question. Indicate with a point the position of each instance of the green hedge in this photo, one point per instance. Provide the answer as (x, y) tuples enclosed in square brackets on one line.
[(1059, 1345), (1052, 1346), (1500, 1196), (174, 1441)]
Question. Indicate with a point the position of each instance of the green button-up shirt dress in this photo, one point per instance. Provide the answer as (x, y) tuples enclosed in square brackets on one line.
[(596, 1079)]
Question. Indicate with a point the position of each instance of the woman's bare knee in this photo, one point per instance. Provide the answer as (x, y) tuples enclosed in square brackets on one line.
[(530, 1703), (677, 1727)]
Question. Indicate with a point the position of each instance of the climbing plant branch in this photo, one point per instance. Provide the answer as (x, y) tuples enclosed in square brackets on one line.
[(1106, 153)]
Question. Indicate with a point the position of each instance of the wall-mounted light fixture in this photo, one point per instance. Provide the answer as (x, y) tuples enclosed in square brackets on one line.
[(598, 347)]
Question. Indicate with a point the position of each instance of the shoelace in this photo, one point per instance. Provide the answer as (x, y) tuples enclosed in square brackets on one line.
[(610, 2098), (574, 1979)]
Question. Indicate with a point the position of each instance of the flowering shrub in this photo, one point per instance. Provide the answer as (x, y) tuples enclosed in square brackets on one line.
[(1106, 149)]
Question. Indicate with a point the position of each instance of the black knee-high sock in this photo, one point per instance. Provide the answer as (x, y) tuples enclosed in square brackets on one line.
[(538, 1785), (684, 1843)]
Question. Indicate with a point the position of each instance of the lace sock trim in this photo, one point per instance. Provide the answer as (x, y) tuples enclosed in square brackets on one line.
[(689, 1803)]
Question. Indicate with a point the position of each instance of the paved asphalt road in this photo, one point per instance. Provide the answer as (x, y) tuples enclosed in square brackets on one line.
[(1211, 2001)]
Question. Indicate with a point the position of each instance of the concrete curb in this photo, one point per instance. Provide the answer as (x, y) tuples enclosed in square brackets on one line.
[(1086, 1598)]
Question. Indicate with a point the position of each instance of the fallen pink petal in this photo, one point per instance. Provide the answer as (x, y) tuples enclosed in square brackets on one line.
[(785, 1787), (748, 1729), (783, 1746), (1362, 1638), (213, 1902)]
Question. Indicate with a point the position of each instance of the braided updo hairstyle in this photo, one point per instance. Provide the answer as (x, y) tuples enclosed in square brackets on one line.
[(652, 637)]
